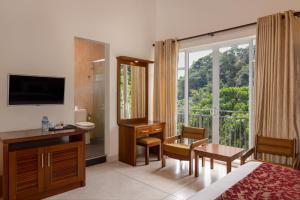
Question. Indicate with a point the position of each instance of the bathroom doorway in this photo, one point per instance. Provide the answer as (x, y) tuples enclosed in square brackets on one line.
[(89, 111)]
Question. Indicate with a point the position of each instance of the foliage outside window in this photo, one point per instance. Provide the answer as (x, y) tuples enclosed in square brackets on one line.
[(233, 91)]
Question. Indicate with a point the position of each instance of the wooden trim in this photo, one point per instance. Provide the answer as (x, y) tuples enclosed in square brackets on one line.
[(132, 59), (36, 134)]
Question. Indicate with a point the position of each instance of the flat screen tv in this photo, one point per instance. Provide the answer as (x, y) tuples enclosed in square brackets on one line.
[(35, 90)]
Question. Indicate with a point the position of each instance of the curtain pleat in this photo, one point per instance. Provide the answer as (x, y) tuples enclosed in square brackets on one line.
[(138, 92), (276, 87), (165, 89)]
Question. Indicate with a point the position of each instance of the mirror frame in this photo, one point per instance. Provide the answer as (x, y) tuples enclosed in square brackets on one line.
[(133, 62)]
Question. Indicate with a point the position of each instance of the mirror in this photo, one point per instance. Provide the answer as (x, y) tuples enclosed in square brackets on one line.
[(132, 92), (132, 89)]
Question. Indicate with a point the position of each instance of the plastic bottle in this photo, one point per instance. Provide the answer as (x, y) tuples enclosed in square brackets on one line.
[(45, 123)]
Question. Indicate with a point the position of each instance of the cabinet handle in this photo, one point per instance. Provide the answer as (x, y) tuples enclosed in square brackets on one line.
[(158, 129), (42, 160), (145, 131), (49, 157)]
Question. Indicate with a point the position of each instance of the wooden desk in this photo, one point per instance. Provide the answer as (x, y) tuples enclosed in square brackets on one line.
[(129, 132), (37, 164), (218, 152)]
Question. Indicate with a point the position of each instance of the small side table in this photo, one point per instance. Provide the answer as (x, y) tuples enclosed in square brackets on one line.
[(218, 152)]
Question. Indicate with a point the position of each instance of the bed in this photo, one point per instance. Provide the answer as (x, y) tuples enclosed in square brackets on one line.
[(255, 180)]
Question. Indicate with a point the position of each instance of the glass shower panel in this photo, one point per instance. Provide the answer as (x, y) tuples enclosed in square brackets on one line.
[(96, 147)]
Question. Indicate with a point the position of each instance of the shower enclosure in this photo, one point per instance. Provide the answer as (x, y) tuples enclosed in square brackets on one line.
[(90, 89), (95, 150)]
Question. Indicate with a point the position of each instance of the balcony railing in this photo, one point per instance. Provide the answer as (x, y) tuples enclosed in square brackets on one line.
[(233, 126)]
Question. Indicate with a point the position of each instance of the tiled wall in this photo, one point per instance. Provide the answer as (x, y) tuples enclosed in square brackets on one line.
[(86, 51)]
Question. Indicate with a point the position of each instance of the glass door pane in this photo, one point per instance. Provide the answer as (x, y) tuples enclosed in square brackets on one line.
[(200, 90), (234, 96)]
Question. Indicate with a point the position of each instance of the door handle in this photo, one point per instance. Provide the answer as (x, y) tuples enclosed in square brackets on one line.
[(49, 157), (42, 160)]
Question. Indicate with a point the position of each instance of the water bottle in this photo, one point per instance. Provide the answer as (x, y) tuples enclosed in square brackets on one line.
[(45, 123)]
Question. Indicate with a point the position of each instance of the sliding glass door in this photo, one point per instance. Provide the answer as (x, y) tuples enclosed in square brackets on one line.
[(214, 91)]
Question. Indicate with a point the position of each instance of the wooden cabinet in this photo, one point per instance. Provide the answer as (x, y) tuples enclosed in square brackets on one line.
[(35, 169), (26, 173)]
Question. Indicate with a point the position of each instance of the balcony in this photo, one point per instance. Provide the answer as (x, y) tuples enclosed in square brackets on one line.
[(233, 125)]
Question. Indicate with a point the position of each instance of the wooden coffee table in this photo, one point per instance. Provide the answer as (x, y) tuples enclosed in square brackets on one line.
[(218, 152)]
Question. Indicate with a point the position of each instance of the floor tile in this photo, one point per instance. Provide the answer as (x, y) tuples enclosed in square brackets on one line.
[(106, 184), (119, 181)]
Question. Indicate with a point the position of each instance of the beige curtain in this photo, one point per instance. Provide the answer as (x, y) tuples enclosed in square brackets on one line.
[(276, 87), (138, 91), (164, 94)]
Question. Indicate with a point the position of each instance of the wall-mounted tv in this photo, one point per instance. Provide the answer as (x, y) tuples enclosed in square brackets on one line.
[(35, 90)]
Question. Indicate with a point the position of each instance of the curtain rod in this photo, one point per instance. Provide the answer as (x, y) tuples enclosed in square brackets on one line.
[(223, 30)]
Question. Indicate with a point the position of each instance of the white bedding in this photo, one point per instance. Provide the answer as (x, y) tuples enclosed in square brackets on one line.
[(216, 189)]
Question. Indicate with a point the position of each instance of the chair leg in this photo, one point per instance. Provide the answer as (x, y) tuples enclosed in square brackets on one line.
[(191, 167), (163, 161), (191, 164), (147, 155), (159, 153)]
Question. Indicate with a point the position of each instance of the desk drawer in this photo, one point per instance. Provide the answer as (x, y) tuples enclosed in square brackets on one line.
[(143, 131), (157, 129)]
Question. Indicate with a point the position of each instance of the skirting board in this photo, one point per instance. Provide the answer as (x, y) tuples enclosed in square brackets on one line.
[(95, 161)]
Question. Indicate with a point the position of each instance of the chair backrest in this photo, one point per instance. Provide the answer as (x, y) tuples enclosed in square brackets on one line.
[(193, 133), (275, 146)]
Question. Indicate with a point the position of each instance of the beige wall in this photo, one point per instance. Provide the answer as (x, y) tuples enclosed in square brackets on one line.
[(86, 51), (37, 37), (178, 18)]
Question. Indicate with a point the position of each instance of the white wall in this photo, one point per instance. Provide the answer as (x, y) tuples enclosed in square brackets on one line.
[(37, 36), (184, 18)]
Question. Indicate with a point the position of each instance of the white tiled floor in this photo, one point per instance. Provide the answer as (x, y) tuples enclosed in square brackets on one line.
[(116, 180)]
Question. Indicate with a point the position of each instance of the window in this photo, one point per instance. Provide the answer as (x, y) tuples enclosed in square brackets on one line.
[(214, 90)]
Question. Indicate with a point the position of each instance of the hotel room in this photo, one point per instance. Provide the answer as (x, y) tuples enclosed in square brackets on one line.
[(149, 99)]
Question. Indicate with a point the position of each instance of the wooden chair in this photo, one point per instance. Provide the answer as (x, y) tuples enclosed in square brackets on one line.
[(274, 146), (148, 142), (183, 151)]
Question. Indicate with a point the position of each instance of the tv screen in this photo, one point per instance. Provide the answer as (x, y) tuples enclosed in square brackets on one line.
[(35, 90)]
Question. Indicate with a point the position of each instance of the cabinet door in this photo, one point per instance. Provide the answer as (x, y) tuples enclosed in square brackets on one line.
[(26, 173), (64, 165)]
